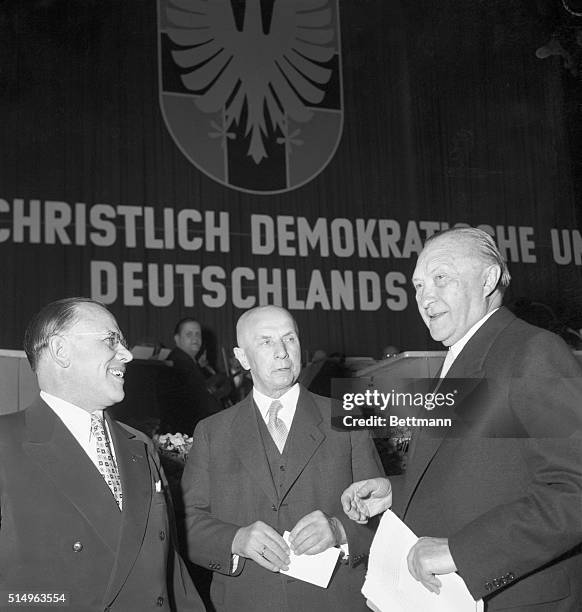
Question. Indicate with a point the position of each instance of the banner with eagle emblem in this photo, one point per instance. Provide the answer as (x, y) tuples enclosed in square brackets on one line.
[(251, 90)]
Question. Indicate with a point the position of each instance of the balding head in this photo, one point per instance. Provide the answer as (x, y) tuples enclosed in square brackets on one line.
[(250, 317), (268, 346)]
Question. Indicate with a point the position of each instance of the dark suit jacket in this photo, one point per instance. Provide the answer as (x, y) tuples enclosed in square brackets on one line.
[(61, 530), (184, 397), (228, 484), (505, 482)]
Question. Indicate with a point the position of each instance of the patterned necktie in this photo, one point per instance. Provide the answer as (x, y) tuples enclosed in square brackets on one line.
[(275, 425), (105, 461)]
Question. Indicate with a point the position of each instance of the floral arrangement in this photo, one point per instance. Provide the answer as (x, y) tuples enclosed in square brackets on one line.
[(174, 445)]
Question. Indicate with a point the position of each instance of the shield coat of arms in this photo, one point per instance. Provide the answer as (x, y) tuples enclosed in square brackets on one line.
[(251, 90)]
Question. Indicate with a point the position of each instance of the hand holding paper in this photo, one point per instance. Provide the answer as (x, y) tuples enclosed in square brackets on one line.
[(390, 586), (316, 532), (430, 556), (261, 543), (316, 569)]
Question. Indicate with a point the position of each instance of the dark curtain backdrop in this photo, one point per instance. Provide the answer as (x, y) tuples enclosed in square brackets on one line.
[(449, 115)]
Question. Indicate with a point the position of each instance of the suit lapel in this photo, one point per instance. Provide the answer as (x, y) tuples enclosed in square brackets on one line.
[(304, 438), (247, 443), (468, 369), (51, 445), (136, 483)]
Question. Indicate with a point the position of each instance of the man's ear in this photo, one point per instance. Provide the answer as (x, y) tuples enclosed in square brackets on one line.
[(491, 279), (58, 350), (240, 354)]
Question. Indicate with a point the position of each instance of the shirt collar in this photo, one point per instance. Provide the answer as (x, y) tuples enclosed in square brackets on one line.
[(460, 344), (288, 399), (77, 420)]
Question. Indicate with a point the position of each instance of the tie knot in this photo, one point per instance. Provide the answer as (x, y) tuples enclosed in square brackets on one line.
[(274, 408)]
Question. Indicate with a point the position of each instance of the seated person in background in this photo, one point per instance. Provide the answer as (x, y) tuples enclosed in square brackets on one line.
[(185, 398)]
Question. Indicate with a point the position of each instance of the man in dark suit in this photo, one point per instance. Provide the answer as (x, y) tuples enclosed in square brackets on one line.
[(272, 464), (184, 396), (498, 497), (84, 514)]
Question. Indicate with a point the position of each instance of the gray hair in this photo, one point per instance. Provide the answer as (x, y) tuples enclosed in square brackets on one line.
[(484, 248)]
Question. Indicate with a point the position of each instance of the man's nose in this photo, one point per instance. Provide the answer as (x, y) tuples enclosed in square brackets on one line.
[(280, 349), (124, 354), (425, 297)]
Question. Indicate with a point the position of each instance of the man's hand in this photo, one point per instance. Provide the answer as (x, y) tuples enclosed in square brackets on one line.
[(263, 545), (430, 556), (316, 532), (366, 498)]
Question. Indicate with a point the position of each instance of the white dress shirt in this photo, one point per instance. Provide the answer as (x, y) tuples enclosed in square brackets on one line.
[(78, 422), (456, 348), (288, 400)]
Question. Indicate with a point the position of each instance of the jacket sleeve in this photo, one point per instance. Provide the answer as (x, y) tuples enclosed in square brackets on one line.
[(365, 464), (209, 539), (516, 538)]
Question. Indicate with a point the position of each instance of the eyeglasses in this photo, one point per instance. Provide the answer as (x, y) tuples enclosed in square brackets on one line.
[(112, 339)]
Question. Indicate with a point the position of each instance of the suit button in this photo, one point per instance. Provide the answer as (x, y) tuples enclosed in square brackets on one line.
[(488, 586), (160, 601), (282, 468), (77, 546), (162, 535), (274, 508)]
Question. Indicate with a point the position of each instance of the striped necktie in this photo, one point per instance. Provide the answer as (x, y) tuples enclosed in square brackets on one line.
[(105, 461), (275, 425)]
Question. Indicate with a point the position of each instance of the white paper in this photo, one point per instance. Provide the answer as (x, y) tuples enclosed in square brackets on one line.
[(316, 569), (390, 587)]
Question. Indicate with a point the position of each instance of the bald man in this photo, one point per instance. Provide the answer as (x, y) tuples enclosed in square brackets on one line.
[(272, 464)]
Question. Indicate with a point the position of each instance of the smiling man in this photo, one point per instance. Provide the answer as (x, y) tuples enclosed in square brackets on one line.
[(272, 464), (498, 497), (83, 515)]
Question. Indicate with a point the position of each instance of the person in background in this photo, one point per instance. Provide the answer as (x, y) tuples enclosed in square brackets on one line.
[(497, 498), (270, 464), (85, 517), (185, 398)]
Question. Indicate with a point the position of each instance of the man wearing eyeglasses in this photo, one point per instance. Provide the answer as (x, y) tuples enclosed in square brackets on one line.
[(84, 515)]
